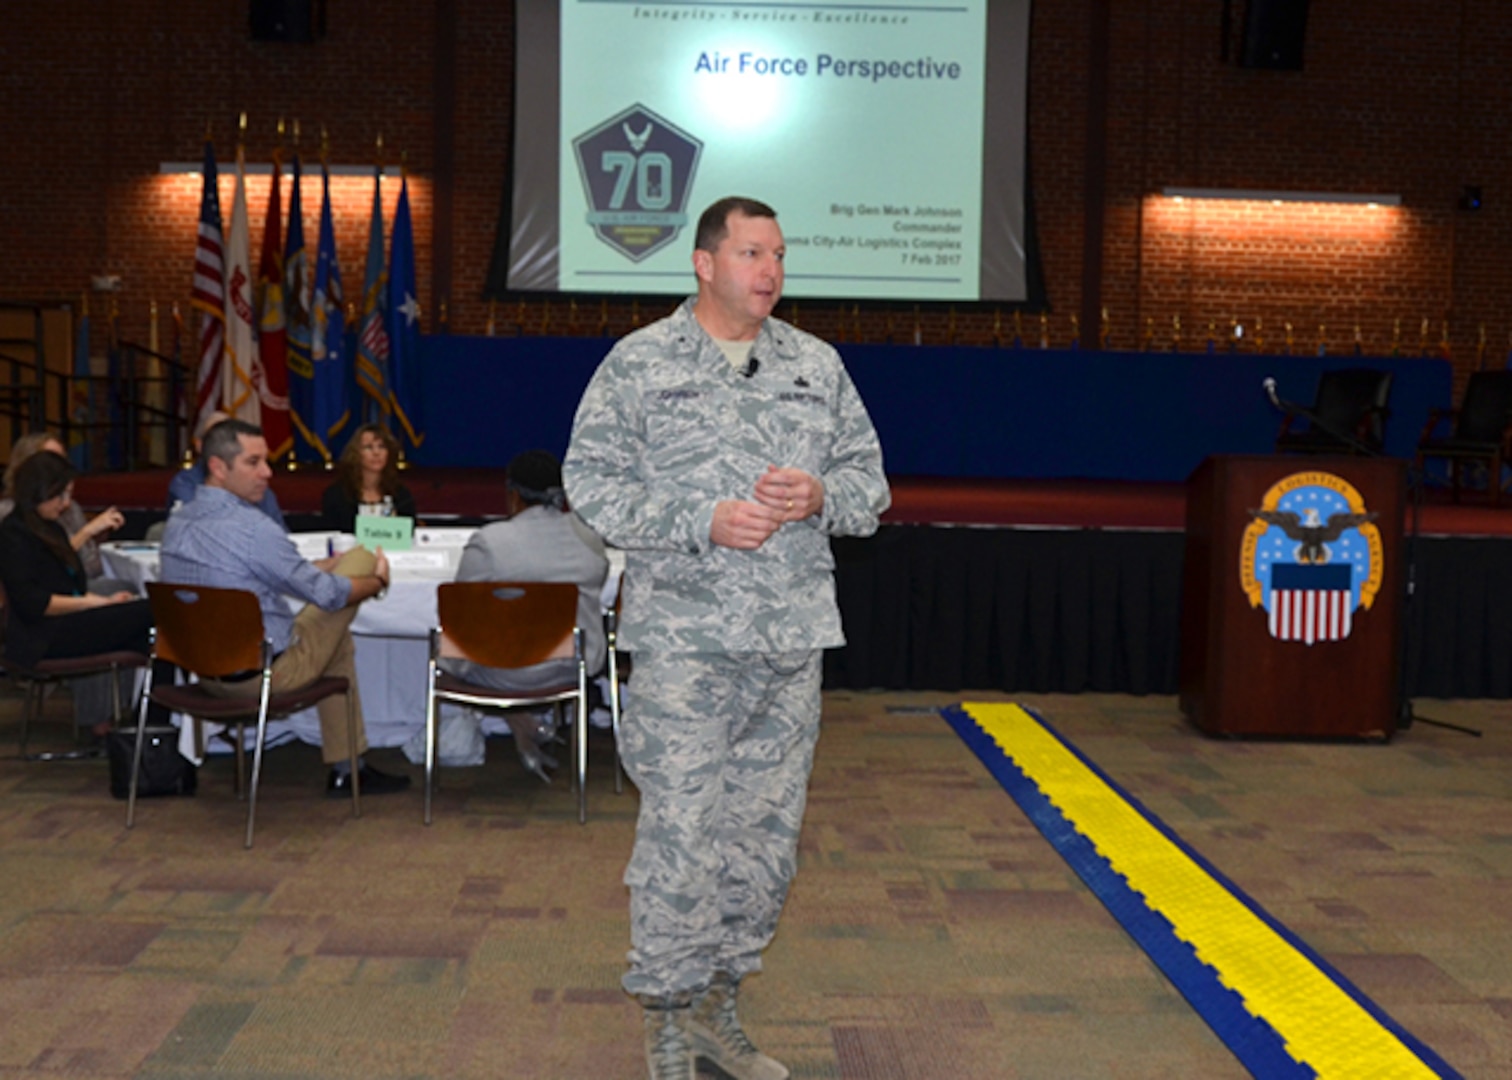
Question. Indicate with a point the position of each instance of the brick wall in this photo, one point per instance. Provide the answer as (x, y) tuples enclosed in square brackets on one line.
[(1397, 97)]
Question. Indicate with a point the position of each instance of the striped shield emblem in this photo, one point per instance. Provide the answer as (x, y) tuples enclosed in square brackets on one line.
[(1310, 603)]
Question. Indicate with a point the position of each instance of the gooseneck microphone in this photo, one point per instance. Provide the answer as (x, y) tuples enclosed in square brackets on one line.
[(753, 365), (1269, 385)]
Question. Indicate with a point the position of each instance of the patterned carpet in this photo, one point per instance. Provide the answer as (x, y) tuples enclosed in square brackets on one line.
[(932, 931)]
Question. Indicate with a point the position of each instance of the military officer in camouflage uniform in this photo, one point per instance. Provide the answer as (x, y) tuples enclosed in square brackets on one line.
[(721, 448)]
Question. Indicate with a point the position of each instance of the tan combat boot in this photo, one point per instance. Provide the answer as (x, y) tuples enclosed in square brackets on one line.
[(718, 1037), (669, 1048)]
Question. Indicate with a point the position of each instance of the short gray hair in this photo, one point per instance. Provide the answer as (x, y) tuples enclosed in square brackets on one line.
[(224, 439)]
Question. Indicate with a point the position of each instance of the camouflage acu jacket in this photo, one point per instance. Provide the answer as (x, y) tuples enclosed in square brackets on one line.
[(667, 428)]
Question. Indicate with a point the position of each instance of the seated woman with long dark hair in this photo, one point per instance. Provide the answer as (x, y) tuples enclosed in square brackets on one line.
[(50, 612), (83, 533), (367, 481)]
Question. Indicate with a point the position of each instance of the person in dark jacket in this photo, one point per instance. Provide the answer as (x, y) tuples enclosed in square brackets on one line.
[(367, 481), (50, 612)]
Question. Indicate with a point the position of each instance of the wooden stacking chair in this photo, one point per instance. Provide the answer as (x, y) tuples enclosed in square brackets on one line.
[(507, 624), (217, 633)]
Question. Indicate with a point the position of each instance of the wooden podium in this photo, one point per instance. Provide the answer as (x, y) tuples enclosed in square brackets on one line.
[(1292, 596)]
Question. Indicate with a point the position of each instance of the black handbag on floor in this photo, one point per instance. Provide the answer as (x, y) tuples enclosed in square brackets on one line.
[(164, 770)]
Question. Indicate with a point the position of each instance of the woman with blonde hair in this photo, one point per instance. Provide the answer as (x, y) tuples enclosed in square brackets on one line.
[(367, 481)]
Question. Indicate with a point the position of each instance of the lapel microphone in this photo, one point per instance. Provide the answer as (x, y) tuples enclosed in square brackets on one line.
[(753, 365)]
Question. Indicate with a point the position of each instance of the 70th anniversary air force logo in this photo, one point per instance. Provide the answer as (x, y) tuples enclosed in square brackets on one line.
[(1311, 557), (637, 169)]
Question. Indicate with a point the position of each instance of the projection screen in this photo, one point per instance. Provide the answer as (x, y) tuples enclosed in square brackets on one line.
[(890, 138)]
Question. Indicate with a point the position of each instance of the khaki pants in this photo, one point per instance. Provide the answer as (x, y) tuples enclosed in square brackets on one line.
[(321, 646)]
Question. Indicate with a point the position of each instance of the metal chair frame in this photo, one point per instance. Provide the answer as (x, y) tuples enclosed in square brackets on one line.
[(507, 624), (611, 641), (214, 633)]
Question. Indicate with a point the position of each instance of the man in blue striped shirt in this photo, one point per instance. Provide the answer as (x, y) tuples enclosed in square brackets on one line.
[(222, 539)]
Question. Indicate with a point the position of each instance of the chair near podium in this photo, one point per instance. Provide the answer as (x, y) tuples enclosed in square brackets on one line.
[(1291, 617)]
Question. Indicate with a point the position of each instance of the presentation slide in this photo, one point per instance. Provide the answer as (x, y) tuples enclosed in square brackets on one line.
[(888, 136)]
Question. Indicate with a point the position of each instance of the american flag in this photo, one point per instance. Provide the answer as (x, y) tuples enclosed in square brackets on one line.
[(1310, 603), (209, 294), (372, 337)]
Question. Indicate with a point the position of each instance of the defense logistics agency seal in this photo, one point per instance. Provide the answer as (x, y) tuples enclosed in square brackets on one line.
[(1311, 557), (637, 171)]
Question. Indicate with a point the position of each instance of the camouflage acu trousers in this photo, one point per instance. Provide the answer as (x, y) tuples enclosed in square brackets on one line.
[(720, 747)]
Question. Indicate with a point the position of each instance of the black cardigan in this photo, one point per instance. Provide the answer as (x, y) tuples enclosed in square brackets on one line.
[(340, 510), (33, 575)]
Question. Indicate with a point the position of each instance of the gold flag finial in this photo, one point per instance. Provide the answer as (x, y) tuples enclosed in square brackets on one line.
[(295, 133), (1259, 334), (488, 329), (1044, 329)]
